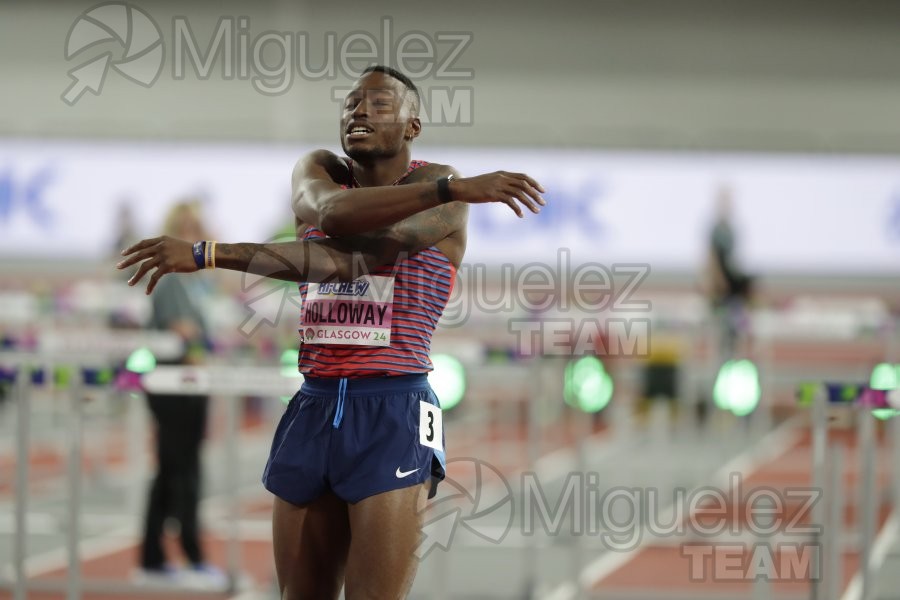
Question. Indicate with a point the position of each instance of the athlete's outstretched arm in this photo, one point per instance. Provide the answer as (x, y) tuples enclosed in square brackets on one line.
[(289, 261), (319, 200), (329, 259)]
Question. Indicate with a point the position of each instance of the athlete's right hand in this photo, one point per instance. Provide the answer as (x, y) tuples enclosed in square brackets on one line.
[(165, 254), (511, 189)]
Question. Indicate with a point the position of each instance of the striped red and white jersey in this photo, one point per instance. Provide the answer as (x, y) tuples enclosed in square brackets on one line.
[(422, 286)]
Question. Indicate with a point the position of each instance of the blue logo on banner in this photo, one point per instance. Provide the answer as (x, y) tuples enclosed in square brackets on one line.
[(574, 206), (26, 195), (893, 220)]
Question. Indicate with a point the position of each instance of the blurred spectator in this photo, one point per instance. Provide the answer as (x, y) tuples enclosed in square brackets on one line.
[(178, 305), (727, 285), (125, 235)]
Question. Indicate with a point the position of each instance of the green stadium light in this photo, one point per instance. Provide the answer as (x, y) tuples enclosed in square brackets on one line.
[(884, 377), (723, 383), (737, 387), (289, 359), (448, 380), (884, 414), (588, 386), (141, 361)]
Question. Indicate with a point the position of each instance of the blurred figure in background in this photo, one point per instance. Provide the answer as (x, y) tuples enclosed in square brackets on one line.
[(125, 232), (180, 420), (727, 285)]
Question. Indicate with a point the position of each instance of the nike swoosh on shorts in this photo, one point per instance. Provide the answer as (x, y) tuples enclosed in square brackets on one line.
[(401, 474)]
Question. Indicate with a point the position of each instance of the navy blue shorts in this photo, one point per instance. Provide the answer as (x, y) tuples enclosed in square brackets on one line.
[(357, 438)]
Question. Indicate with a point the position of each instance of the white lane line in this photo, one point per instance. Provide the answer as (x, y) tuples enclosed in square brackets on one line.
[(880, 549), (566, 591)]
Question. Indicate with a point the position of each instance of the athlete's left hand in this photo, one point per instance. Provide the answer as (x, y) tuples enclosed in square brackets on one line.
[(166, 254)]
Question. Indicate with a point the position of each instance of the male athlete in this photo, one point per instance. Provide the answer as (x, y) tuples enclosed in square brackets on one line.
[(360, 445)]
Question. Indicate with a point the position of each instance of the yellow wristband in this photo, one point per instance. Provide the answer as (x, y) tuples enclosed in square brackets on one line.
[(210, 255)]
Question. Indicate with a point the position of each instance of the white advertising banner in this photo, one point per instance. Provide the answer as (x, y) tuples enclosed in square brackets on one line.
[(819, 214)]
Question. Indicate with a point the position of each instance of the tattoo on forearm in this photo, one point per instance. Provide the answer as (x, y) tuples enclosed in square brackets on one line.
[(262, 260), (428, 195), (238, 253), (407, 237)]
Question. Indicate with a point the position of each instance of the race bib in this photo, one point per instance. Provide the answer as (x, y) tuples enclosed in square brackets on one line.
[(431, 426), (357, 312)]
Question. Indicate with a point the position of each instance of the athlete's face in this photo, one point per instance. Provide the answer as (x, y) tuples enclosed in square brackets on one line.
[(378, 118)]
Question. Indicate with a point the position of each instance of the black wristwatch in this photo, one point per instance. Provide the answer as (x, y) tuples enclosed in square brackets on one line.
[(443, 189)]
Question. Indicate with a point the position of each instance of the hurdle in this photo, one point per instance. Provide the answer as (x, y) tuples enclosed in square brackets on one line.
[(31, 368), (827, 475)]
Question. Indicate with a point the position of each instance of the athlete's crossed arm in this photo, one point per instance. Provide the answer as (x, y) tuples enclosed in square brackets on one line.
[(443, 225), (329, 259), (319, 200)]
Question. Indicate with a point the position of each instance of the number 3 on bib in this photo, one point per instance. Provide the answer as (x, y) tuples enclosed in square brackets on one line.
[(431, 426)]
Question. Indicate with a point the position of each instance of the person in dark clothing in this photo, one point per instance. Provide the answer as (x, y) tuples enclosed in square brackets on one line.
[(729, 287), (180, 423)]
